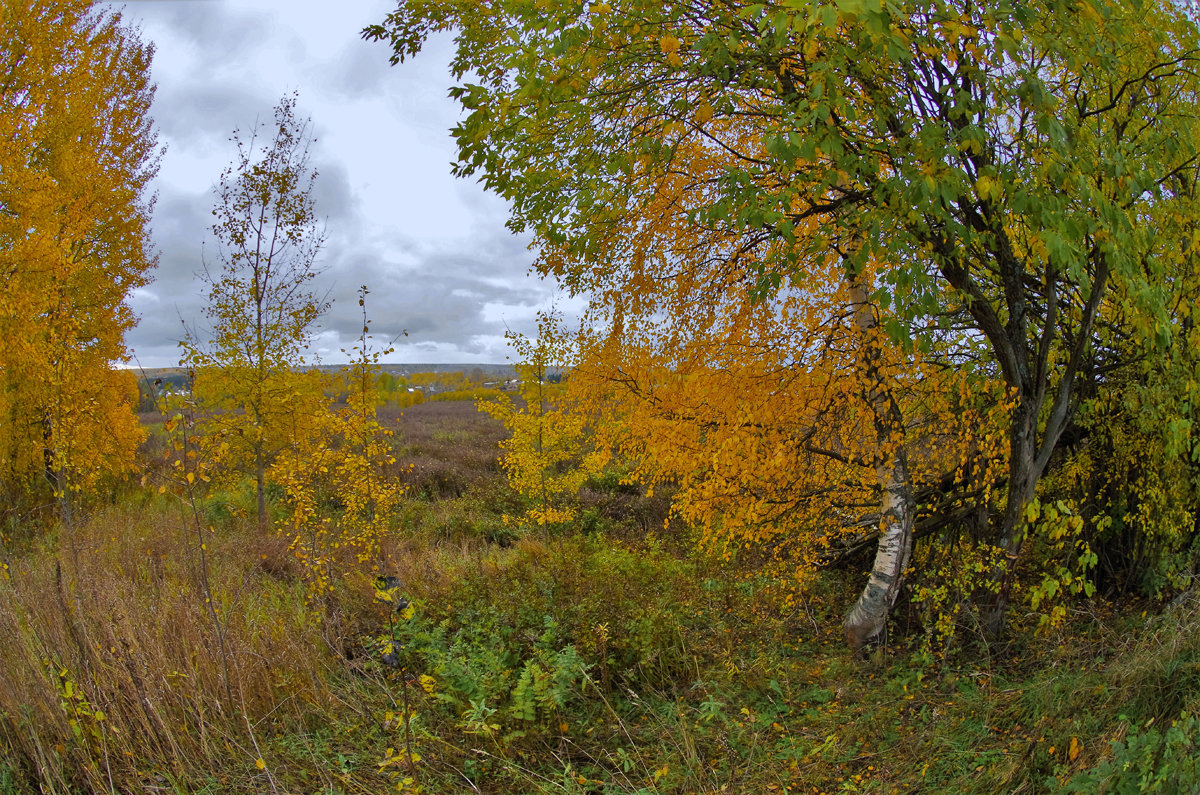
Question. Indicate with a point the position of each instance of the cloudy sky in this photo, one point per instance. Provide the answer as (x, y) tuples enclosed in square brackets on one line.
[(432, 249)]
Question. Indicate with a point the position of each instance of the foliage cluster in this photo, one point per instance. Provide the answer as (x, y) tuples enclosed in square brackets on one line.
[(342, 465), (77, 153)]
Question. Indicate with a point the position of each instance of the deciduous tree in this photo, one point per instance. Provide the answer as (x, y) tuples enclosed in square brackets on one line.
[(784, 422), (548, 457), (342, 464), (1003, 166), (261, 301), (77, 153)]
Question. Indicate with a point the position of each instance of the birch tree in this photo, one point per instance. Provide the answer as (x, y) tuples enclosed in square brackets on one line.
[(261, 301), (77, 153), (1009, 168)]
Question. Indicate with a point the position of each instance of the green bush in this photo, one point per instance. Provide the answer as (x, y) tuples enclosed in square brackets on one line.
[(1148, 761), (620, 611), (482, 666)]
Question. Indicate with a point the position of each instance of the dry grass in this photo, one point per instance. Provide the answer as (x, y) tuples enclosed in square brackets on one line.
[(120, 676), (446, 448), (117, 676)]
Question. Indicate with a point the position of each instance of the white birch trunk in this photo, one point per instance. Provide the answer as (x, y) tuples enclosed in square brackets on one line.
[(867, 620)]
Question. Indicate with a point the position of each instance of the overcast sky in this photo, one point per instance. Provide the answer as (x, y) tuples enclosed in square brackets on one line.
[(432, 249)]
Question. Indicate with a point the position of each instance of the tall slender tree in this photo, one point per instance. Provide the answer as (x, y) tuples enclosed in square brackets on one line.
[(261, 301)]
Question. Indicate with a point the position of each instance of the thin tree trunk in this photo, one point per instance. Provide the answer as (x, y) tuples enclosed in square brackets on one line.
[(867, 620), (260, 487)]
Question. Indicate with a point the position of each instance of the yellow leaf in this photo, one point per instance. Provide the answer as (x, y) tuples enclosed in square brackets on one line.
[(260, 764)]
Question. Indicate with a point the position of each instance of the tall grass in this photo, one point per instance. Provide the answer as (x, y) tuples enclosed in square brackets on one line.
[(116, 676)]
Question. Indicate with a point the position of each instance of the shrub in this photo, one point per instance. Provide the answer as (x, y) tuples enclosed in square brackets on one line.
[(516, 622), (1147, 761)]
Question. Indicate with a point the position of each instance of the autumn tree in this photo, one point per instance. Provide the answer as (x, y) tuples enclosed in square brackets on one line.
[(781, 421), (342, 463), (368, 494), (261, 302), (1007, 170), (547, 457), (77, 153)]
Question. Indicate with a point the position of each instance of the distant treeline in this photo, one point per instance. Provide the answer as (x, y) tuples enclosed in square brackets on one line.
[(396, 386)]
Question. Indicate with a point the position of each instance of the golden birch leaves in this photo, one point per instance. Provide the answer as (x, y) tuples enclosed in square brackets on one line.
[(549, 455), (77, 152)]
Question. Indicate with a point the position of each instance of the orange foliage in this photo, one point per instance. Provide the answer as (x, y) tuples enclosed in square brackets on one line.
[(752, 401), (77, 152), (341, 462)]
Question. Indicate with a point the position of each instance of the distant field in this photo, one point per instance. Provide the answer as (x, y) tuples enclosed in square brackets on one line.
[(395, 368)]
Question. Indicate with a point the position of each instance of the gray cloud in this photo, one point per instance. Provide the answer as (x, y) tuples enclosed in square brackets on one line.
[(440, 296), (433, 251), (180, 226), (219, 33), (202, 115), (454, 299), (334, 197), (416, 91), (359, 70)]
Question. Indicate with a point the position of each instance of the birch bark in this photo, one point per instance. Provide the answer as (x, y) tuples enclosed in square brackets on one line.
[(867, 619)]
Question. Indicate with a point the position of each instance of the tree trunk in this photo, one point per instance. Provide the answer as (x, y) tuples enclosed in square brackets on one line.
[(260, 487), (867, 620), (1022, 485)]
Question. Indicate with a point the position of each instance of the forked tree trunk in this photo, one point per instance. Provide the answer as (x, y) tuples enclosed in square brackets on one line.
[(1022, 487), (867, 620)]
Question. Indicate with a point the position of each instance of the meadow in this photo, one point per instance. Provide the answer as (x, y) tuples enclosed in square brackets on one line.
[(610, 656)]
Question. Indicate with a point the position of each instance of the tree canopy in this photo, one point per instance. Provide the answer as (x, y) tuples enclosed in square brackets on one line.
[(77, 153)]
